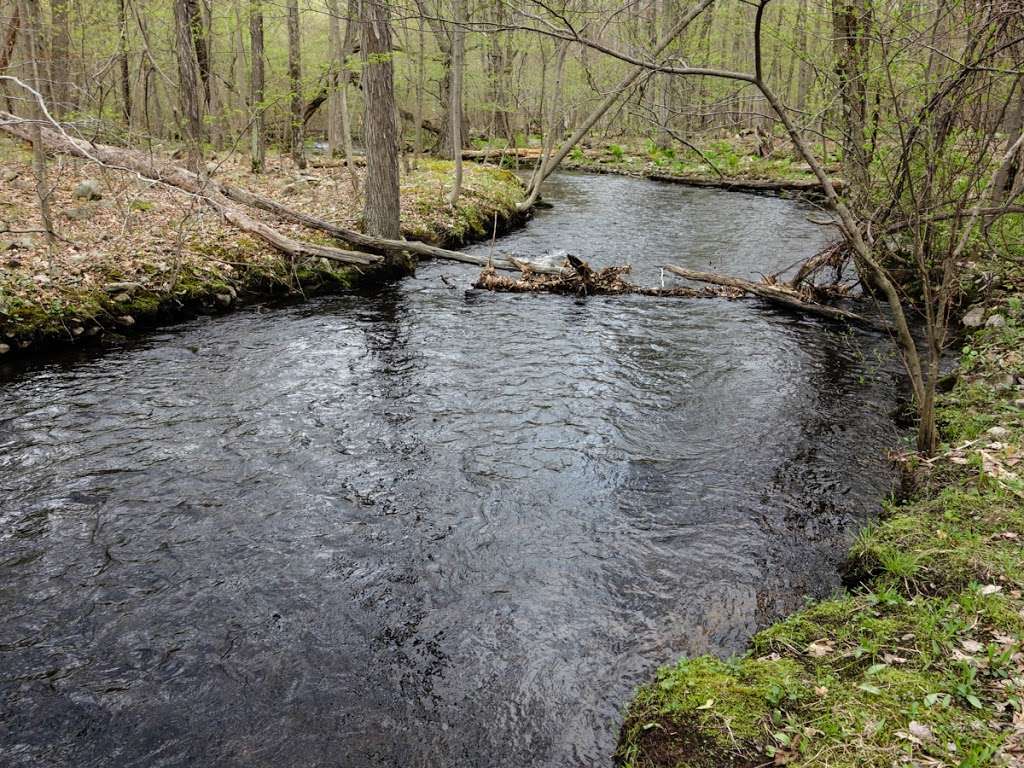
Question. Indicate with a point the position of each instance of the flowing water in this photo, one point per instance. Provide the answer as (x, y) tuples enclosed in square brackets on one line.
[(429, 526)]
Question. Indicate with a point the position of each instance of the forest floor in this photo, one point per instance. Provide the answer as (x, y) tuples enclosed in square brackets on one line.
[(132, 253), (921, 664)]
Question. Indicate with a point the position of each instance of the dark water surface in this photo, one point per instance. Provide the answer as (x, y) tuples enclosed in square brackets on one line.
[(432, 526)]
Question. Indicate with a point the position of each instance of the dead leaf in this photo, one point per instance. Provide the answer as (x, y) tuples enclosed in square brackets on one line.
[(820, 648)]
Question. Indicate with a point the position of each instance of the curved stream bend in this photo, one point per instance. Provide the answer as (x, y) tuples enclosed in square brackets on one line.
[(432, 526)]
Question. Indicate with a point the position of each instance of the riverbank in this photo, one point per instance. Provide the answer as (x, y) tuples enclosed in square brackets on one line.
[(134, 255), (919, 664), (740, 163)]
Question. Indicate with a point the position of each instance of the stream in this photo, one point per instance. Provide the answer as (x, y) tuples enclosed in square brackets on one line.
[(428, 525)]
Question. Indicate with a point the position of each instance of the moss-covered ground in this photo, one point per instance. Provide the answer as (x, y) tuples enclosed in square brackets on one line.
[(141, 254), (920, 665)]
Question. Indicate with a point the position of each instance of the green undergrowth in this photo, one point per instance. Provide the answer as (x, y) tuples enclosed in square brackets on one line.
[(710, 159), (488, 199), (921, 664)]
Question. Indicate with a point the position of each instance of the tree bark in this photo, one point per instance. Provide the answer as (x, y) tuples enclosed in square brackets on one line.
[(189, 82), (455, 105), (60, 43), (122, 60), (297, 133), (381, 204), (257, 131)]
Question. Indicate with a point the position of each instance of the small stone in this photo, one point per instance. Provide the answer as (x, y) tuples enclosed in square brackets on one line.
[(1004, 382), (88, 189), (121, 298), (1019, 403), (81, 212), (996, 321), (77, 330), (998, 433), (22, 243), (974, 317), (126, 320), (4, 349), (224, 299)]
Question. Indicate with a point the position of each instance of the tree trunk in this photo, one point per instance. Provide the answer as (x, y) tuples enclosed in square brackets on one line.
[(343, 47), (60, 43), (851, 22), (7, 51), (297, 134), (257, 131), (381, 206), (420, 82), (455, 107), (189, 82), (122, 60), (30, 12)]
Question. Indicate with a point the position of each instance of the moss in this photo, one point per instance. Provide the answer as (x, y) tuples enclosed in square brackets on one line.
[(923, 663)]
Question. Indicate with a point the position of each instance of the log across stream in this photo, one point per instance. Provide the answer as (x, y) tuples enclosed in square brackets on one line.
[(430, 524)]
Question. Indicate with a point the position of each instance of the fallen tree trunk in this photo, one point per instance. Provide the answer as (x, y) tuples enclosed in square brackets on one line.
[(175, 176), (415, 247), (577, 278), (777, 294)]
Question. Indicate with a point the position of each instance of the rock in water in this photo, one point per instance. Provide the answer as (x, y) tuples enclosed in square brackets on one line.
[(88, 189), (974, 318)]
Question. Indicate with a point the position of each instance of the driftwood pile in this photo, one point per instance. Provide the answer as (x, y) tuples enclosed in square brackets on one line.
[(577, 278)]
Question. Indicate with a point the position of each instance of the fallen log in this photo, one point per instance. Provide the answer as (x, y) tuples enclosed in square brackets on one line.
[(577, 278), (415, 247), (777, 294), (146, 167), (524, 153)]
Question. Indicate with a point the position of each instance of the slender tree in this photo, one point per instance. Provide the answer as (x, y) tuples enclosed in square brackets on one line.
[(257, 132), (297, 135), (189, 82), (381, 205), (455, 108)]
